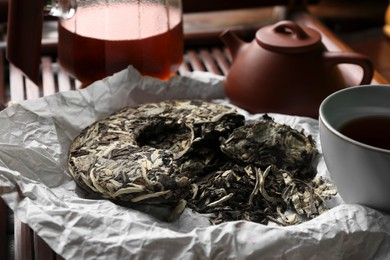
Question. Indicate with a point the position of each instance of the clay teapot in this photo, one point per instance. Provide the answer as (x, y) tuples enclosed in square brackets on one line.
[(286, 69)]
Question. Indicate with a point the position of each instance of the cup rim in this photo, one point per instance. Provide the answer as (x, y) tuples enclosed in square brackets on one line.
[(327, 124)]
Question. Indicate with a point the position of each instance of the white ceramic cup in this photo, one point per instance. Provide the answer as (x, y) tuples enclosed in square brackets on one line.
[(360, 172)]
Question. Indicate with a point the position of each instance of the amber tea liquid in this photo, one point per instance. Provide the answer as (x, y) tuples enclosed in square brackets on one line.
[(99, 41), (371, 130)]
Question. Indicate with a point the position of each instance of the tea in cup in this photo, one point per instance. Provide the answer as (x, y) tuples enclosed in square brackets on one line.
[(355, 140)]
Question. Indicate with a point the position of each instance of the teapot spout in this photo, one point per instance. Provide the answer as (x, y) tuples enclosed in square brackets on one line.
[(232, 42)]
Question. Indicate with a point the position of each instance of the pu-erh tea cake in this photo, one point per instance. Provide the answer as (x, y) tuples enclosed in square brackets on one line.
[(201, 155)]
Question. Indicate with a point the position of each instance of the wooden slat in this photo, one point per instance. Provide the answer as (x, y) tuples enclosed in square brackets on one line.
[(77, 84), (32, 90), (2, 75), (195, 61), (184, 68), (64, 81), (222, 60), (23, 241), (209, 62), (41, 250), (48, 83), (3, 230), (16, 84)]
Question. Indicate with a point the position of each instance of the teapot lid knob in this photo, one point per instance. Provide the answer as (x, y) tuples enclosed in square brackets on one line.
[(288, 37)]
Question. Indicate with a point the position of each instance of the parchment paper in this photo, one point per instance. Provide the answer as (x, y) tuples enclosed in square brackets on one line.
[(34, 139)]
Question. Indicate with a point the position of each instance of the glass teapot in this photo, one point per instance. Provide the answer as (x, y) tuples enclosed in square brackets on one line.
[(97, 38)]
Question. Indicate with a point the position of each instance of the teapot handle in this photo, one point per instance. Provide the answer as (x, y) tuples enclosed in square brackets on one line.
[(335, 58)]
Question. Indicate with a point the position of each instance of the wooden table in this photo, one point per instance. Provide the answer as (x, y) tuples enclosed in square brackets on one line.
[(204, 52)]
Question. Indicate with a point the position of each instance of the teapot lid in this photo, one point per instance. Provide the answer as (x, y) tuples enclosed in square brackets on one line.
[(288, 37)]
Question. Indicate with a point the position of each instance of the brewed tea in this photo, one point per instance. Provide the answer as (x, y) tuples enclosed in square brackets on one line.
[(101, 40), (371, 130)]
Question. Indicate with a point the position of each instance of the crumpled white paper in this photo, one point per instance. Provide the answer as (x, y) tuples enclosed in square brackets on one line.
[(34, 139)]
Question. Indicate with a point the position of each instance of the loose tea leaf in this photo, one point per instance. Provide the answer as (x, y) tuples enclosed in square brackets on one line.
[(203, 156)]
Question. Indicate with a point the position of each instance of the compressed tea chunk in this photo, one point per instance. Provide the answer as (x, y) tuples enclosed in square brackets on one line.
[(266, 142), (132, 156)]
